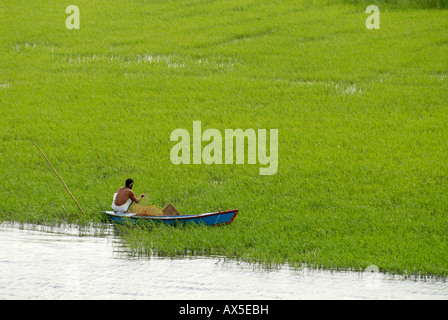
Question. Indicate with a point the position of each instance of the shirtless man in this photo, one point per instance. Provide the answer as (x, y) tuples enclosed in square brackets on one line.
[(124, 197)]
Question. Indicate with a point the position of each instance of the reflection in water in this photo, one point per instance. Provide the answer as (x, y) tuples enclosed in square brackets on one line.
[(58, 263)]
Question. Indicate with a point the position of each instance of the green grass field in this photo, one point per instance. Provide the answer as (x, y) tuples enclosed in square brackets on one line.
[(362, 119)]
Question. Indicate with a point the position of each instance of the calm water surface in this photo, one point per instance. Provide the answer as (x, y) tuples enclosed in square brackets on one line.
[(57, 263)]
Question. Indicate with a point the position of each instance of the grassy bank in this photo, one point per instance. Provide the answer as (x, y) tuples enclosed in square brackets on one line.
[(361, 114), (400, 4)]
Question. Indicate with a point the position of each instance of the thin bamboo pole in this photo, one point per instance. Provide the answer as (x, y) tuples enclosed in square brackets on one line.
[(63, 183)]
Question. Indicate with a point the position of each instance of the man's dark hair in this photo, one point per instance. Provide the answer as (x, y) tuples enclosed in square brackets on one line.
[(129, 182)]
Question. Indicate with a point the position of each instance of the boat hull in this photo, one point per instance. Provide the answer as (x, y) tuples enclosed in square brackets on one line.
[(209, 218)]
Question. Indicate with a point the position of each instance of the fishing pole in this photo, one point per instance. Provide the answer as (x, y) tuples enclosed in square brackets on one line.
[(63, 183)]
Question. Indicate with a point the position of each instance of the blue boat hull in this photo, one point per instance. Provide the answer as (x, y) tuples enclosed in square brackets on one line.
[(209, 218)]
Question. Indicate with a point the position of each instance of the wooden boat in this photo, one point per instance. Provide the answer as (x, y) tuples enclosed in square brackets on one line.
[(209, 218)]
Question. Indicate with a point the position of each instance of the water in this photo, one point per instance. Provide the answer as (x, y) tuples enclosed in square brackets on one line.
[(58, 263)]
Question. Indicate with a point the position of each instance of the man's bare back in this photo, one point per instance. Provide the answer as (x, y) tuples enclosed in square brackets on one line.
[(125, 193)]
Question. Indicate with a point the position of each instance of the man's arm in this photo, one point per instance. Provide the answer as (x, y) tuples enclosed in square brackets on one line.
[(134, 198)]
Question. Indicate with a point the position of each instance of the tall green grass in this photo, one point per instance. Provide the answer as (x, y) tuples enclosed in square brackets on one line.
[(402, 4), (362, 116)]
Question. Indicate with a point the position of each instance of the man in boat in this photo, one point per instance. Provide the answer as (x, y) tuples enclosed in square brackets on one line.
[(124, 197)]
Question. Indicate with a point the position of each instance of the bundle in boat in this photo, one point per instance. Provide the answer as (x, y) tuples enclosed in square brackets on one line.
[(154, 210)]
